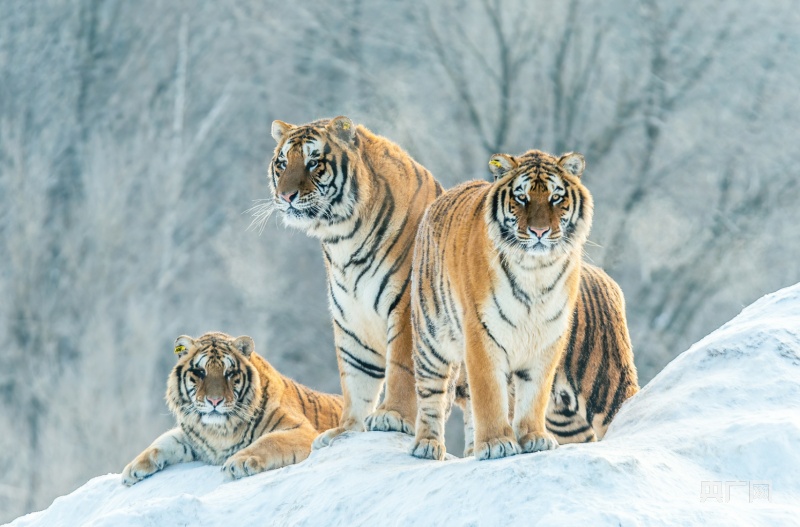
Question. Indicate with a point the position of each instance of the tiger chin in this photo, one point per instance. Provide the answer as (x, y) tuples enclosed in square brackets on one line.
[(234, 409), (495, 281), (362, 196)]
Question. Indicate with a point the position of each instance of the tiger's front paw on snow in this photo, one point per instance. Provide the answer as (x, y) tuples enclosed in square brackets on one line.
[(534, 442), (496, 448), (144, 465), (242, 465), (388, 421), (327, 437), (428, 449)]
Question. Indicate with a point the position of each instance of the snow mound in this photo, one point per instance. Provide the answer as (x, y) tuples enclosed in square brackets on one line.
[(721, 421)]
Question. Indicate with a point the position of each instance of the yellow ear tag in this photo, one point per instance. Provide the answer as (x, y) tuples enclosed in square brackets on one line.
[(496, 163), (345, 125), (180, 348)]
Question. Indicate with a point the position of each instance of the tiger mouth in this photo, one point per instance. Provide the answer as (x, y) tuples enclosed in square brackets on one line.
[(539, 246), (214, 417), (301, 213)]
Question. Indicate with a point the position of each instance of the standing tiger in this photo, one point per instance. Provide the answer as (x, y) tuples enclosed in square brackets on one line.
[(234, 409), (363, 197), (495, 282)]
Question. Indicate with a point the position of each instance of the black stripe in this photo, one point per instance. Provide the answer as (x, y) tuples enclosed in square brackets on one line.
[(373, 371), (523, 375), (552, 286), (399, 296), (349, 235), (500, 311), (392, 270), (571, 433), (355, 338), (516, 290), (586, 348)]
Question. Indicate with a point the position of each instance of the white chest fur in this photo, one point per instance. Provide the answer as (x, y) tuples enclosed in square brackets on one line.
[(354, 289), (528, 311)]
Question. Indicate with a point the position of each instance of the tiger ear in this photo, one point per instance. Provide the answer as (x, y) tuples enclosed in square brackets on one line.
[(279, 129), (573, 162), (500, 164), (245, 345), (182, 345), (343, 128)]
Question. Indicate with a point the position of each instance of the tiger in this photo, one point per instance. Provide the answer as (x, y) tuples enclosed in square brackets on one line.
[(596, 374), (234, 409), (495, 280), (363, 197)]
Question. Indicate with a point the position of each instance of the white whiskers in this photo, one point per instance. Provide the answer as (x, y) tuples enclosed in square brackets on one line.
[(261, 212)]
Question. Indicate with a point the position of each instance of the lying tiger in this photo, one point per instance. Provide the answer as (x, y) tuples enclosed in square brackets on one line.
[(234, 409), (497, 280)]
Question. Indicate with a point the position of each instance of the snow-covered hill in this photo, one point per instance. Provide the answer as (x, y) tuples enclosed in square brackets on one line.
[(722, 420)]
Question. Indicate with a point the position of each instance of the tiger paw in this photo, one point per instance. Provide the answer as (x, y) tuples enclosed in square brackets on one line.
[(496, 448), (327, 437), (145, 464), (533, 442), (243, 464), (469, 445), (428, 449), (388, 421)]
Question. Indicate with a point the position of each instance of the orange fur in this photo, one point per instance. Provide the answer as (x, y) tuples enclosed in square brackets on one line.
[(363, 197), (495, 281), (234, 409)]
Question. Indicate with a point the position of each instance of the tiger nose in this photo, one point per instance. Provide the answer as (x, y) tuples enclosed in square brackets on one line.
[(214, 400), (289, 196), (539, 232)]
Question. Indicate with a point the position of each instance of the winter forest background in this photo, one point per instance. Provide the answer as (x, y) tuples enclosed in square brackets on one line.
[(134, 135)]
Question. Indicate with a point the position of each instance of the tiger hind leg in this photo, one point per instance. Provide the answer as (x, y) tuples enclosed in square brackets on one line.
[(565, 417)]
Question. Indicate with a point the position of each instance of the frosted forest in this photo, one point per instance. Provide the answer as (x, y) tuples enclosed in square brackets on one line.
[(134, 137)]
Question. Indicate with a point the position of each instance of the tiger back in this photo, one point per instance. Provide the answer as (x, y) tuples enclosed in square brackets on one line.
[(362, 196), (234, 409)]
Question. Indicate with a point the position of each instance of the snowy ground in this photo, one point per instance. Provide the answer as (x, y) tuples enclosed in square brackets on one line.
[(726, 412)]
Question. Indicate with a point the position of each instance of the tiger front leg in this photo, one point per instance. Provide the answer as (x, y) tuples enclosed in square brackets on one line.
[(361, 385), (271, 451), (399, 407), (488, 385), (169, 448), (532, 387)]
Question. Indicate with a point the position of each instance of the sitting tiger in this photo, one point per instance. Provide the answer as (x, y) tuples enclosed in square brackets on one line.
[(496, 278), (362, 196), (234, 409)]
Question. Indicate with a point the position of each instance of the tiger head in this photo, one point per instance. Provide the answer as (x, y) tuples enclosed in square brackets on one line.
[(312, 173), (214, 384), (538, 203)]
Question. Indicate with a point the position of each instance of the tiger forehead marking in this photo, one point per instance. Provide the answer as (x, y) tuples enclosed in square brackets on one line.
[(213, 351), (550, 183), (309, 146)]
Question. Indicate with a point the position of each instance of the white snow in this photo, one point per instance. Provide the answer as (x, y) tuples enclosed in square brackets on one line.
[(727, 410)]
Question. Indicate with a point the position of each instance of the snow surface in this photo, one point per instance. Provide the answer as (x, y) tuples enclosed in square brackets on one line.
[(727, 410)]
